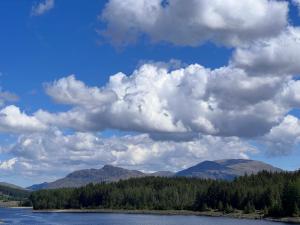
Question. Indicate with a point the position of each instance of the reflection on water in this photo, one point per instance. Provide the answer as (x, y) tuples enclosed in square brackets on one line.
[(26, 216)]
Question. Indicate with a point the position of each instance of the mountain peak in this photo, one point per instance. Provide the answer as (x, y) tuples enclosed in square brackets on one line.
[(233, 161), (213, 165), (226, 169), (109, 167)]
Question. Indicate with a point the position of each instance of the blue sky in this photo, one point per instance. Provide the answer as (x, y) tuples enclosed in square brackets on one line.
[(59, 43), (65, 40)]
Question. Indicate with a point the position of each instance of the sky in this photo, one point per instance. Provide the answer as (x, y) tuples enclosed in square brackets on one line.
[(148, 85)]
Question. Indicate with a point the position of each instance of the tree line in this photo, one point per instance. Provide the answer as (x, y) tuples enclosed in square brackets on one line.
[(274, 194), (11, 193)]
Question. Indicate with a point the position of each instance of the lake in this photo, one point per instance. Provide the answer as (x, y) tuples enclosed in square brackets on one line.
[(26, 216)]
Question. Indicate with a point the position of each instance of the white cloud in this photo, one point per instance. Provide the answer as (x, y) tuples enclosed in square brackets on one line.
[(6, 96), (42, 7), (174, 106), (276, 56), (290, 95), (12, 120), (183, 115), (221, 102), (283, 138), (191, 23), (68, 90), (54, 154), (8, 164)]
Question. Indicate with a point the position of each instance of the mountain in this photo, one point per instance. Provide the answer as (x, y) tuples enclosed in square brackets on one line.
[(222, 169), (83, 177), (162, 174), (226, 169), (36, 187), (12, 192), (106, 174), (4, 184)]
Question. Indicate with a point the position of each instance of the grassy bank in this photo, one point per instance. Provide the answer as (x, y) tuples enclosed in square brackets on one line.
[(9, 204)]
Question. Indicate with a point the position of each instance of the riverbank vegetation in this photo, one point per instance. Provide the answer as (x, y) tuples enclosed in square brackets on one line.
[(272, 194)]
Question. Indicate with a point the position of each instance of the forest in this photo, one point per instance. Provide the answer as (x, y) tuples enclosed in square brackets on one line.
[(274, 194), (11, 196), (9, 193)]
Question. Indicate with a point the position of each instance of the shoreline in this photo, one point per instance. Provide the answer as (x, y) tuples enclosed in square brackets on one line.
[(21, 207), (235, 215)]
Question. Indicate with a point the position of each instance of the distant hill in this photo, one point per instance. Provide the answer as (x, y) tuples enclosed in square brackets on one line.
[(161, 174), (226, 169), (4, 184), (106, 174), (36, 187), (83, 177), (222, 169), (12, 192)]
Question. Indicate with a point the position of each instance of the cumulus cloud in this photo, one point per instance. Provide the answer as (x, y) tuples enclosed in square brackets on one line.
[(194, 99), (283, 138), (191, 23), (68, 90), (42, 7), (276, 56), (170, 105), (290, 95), (182, 115), (52, 152), (12, 120)]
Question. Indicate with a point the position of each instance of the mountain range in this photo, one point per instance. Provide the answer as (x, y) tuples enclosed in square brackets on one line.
[(221, 169)]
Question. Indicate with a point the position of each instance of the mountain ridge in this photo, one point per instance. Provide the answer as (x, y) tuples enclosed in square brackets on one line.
[(226, 169), (9, 185), (11, 192)]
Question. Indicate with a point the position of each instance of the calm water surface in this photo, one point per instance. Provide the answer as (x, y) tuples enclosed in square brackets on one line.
[(26, 216)]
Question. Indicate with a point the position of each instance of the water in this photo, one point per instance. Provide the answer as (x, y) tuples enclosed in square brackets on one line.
[(27, 217)]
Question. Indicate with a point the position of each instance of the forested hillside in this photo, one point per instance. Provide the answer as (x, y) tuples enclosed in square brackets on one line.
[(11, 195), (274, 194), (216, 170)]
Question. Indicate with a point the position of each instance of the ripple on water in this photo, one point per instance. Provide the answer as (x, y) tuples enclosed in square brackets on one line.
[(26, 216)]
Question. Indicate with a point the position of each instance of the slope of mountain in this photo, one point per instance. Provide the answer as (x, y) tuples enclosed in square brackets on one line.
[(36, 187), (226, 169), (83, 177), (12, 192), (161, 174), (222, 169), (4, 184)]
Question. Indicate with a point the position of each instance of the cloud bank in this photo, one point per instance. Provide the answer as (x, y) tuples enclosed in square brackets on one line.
[(227, 22), (194, 99), (184, 116), (175, 117), (277, 56), (53, 152), (284, 137)]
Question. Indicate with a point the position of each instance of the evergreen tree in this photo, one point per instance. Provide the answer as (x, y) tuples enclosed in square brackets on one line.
[(274, 194)]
